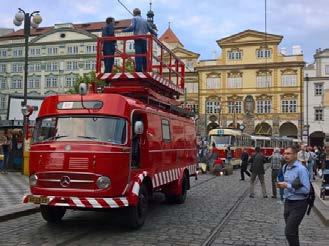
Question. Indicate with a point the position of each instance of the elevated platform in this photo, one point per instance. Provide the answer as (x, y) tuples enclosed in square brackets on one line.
[(164, 73)]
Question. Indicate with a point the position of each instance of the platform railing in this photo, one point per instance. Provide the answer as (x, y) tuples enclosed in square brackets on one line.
[(159, 59)]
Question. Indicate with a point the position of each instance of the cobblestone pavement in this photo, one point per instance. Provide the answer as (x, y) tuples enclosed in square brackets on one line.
[(13, 185), (187, 224)]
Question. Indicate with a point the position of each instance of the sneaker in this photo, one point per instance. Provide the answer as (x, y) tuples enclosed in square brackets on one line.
[(265, 196), (251, 196), (274, 197)]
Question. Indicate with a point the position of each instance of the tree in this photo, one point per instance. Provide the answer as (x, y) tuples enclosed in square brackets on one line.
[(86, 78)]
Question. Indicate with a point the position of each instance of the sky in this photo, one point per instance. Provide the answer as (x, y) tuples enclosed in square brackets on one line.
[(197, 23)]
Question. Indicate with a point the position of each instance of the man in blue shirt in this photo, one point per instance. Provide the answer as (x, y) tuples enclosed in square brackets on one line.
[(140, 26), (296, 187), (108, 46)]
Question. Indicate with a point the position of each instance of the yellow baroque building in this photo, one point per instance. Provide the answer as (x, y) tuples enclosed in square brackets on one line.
[(252, 84)]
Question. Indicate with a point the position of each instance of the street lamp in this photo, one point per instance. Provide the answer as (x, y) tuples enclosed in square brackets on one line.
[(30, 20), (219, 111), (307, 126), (21, 16)]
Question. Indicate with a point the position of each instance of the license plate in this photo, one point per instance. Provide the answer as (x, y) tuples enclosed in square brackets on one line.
[(38, 200)]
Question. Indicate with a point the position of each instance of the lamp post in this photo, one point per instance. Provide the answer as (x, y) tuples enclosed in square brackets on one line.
[(307, 126), (30, 20), (219, 111), (21, 16)]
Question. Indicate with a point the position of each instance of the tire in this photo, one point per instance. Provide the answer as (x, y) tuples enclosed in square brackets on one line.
[(52, 214), (181, 198), (138, 213)]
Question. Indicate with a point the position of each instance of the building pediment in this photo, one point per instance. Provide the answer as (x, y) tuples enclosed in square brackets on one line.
[(184, 53), (63, 34), (249, 37)]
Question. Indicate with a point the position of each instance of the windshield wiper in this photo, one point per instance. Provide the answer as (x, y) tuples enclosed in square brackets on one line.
[(54, 137), (87, 137)]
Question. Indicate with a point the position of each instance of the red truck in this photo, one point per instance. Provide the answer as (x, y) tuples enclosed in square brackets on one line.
[(112, 147)]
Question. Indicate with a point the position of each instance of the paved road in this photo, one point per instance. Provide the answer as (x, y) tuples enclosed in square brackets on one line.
[(187, 224)]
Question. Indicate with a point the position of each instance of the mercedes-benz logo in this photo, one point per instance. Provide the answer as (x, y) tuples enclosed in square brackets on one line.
[(65, 181)]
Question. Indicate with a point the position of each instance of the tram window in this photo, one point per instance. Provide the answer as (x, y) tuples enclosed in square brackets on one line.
[(232, 141), (259, 143), (252, 143), (267, 143), (165, 130)]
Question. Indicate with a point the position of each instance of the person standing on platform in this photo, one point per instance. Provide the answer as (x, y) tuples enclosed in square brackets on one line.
[(244, 163), (303, 156), (140, 26), (296, 187), (108, 46), (257, 161)]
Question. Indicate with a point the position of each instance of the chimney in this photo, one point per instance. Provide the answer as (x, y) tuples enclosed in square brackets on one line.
[(283, 51), (297, 50)]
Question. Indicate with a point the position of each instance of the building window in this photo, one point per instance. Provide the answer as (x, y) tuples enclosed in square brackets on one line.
[(234, 82), (72, 49), (212, 107), (213, 83), (326, 69), (17, 52), (52, 66), (34, 51), (234, 55), (52, 50), (189, 65), (90, 65), (35, 67), (33, 83), (69, 81), (263, 53), (16, 83), (91, 48), (3, 83), (3, 53), (318, 114), (3, 68), (263, 81), (264, 106), (192, 106), (2, 102), (318, 89), (234, 107), (289, 80), (17, 68), (192, 87), (71, 65), (51, 82), (289, 106)]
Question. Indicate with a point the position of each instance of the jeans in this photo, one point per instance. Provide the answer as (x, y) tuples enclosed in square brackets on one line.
[(109, 49), (244, 170), (310, 166), (294, 212), (4, 163), (140, 48), (275, 173)]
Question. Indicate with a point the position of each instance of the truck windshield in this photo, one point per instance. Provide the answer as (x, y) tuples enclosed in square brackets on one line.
[(80, 128)]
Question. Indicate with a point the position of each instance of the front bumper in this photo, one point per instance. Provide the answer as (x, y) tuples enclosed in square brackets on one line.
[(77, 202)]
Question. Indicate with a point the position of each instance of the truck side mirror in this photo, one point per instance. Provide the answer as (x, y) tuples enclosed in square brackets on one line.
[(83, 89), (139, 127)]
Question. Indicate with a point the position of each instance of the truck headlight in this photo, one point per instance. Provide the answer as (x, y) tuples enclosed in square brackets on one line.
[(103, 182), (33, 180)]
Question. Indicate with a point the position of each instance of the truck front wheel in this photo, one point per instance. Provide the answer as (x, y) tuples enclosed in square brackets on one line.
[(137, 214), (52, 214)]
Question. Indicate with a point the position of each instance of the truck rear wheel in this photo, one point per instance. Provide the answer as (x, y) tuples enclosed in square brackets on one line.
[(52, 214), (181, 198), (137, 214)]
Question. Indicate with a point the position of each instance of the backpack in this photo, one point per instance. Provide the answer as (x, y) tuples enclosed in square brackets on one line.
[(310, 196)]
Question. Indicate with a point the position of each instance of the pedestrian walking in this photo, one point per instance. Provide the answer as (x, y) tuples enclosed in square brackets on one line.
[(296, 187), (276, 160), (109, 45), (212, 157), (244, 163), (228, 153), (6, 147), (140, 26), (311, 162), (303, 156), (257, 161)]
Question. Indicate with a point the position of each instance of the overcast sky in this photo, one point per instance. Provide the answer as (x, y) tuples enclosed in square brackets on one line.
[(197, 23)]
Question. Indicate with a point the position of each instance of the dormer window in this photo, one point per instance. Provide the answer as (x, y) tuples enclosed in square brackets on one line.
[(234, 55)]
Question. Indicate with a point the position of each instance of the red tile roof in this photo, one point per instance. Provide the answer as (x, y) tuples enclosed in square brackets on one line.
[(90, 27), (169, 37)]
